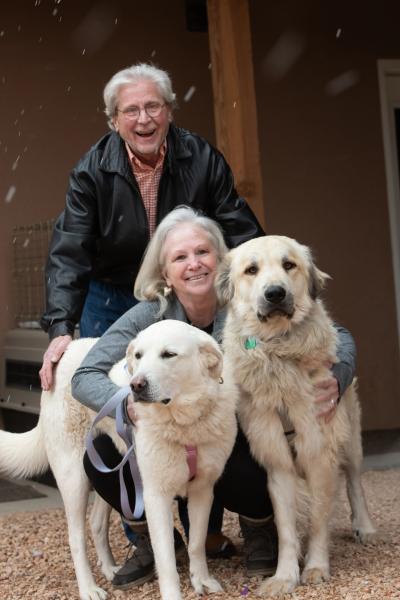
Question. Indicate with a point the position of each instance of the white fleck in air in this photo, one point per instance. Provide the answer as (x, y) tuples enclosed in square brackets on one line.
[(338, 33), (342, 82), (69, 88), (234, 104), (15, 163), (107, 301), (26, 243), (83, 51), (284, 54), (153, 53), (189, 93), (97, 325), (2, 33), (10, 194), (55, 11), (209, 66), (116, 21), (120, 218)]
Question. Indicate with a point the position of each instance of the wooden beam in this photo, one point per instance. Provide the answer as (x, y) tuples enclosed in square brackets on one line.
[(235, 109)]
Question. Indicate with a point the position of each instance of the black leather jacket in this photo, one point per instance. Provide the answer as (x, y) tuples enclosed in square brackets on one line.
[(103, 230)]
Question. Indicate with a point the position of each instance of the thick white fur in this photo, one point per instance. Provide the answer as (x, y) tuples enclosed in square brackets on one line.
[(276, 380), (201, 413)]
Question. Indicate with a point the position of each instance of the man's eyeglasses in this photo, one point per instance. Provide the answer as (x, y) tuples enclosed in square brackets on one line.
[(152, 109)]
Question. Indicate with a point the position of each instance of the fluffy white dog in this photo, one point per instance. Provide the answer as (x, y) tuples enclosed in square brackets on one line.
[(185, 402), (280, 341)]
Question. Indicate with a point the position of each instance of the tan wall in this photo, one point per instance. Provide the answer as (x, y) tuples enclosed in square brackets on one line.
[(58, 89), (323, 168)]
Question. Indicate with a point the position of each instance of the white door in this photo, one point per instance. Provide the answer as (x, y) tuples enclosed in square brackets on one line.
[(389, 88)]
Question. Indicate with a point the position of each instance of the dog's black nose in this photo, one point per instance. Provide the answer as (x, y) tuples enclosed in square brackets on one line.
[(138, 384), (275, 294)]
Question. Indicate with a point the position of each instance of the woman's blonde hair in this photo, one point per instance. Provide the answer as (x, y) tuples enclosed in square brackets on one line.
[(150, 283)]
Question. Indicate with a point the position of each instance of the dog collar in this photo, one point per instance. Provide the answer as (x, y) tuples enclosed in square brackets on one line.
[(250, 343), (191, 459)]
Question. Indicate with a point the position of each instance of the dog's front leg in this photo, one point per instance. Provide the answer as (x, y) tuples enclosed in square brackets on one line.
[(99, 524), (200, 499), (161, 527), (321, 474), (270, 448)]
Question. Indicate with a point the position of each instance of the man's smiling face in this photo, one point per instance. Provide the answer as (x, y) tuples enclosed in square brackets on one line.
[(144, 134)]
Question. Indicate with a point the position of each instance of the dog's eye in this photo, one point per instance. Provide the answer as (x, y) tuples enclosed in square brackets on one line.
[(251, 270), (168, 354), (138, 355), (288, 265)]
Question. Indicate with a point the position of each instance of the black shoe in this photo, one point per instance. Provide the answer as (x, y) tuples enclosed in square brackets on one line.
[(260, 546), (219, 546), (139, 564)]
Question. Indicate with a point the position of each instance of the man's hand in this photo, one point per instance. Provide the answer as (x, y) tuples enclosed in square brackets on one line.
[(327, 397), (54, 352)]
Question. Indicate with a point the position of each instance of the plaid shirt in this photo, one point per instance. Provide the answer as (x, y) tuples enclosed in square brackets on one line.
[(148, 179)]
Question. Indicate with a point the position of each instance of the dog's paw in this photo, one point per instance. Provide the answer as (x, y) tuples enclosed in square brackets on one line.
[(211, 584), (367, 536), (93, 593), (274, 587), (109, 571), (315, 575)]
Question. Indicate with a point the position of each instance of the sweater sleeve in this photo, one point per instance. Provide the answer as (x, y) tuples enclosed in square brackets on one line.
[(344, 369), (91, 384)]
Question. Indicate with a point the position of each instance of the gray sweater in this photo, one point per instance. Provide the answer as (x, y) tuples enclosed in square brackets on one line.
[(92, 386)]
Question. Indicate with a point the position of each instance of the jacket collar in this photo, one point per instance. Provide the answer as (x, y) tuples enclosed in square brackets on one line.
[(115, 158)]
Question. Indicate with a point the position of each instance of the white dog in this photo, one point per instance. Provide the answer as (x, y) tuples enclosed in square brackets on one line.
[(280, 341), (184, 402)]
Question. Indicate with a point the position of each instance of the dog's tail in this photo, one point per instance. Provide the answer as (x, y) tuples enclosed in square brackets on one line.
[(23, 454)]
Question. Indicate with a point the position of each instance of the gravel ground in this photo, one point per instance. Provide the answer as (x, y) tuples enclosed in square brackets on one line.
[(36, 564)]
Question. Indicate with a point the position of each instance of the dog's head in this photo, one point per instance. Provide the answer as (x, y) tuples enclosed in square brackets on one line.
[(272, 278), (170, 360)]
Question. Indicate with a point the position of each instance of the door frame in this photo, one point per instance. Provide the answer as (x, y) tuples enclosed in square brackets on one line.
[(387, 69)]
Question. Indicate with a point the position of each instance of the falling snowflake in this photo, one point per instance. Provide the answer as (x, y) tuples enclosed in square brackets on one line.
[(15, 163), (338, 33), (26, 243), (10, 194), (342, 82), (189, 93)]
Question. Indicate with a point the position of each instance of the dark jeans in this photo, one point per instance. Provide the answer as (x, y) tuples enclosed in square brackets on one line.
[(104, 304), (242, 487)]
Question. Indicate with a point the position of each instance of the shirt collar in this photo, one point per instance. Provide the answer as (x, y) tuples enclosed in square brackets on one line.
[(141, 166)]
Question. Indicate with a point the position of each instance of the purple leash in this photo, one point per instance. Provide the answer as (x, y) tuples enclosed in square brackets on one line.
[(125, 432)]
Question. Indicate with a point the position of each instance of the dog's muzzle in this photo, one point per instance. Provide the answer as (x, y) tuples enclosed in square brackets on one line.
[(275, 302), (142, 391)]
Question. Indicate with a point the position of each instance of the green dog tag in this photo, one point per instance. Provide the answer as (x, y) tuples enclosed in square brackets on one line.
[(250, 343)]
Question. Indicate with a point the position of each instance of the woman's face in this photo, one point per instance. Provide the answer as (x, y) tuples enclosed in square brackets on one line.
[(190, 262)]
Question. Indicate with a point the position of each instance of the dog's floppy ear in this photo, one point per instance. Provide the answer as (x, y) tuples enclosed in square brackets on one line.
[(211, 357), (223, 282), (130, 358), (317, 281)]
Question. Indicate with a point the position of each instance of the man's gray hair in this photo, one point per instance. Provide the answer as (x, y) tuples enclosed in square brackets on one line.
[(134, 74), (150, 283)]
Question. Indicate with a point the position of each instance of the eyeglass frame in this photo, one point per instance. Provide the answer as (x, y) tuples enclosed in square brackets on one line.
[(126, 111)]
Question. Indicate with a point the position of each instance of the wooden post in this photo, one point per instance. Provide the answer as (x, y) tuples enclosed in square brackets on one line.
[(235, 108)]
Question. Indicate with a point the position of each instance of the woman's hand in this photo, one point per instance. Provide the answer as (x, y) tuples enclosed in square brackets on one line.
[(327, 398)]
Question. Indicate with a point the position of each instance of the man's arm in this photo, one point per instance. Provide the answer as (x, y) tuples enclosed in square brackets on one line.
[(231, 211)]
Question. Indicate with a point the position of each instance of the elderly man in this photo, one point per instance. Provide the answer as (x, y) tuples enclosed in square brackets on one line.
[(118, 193)]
